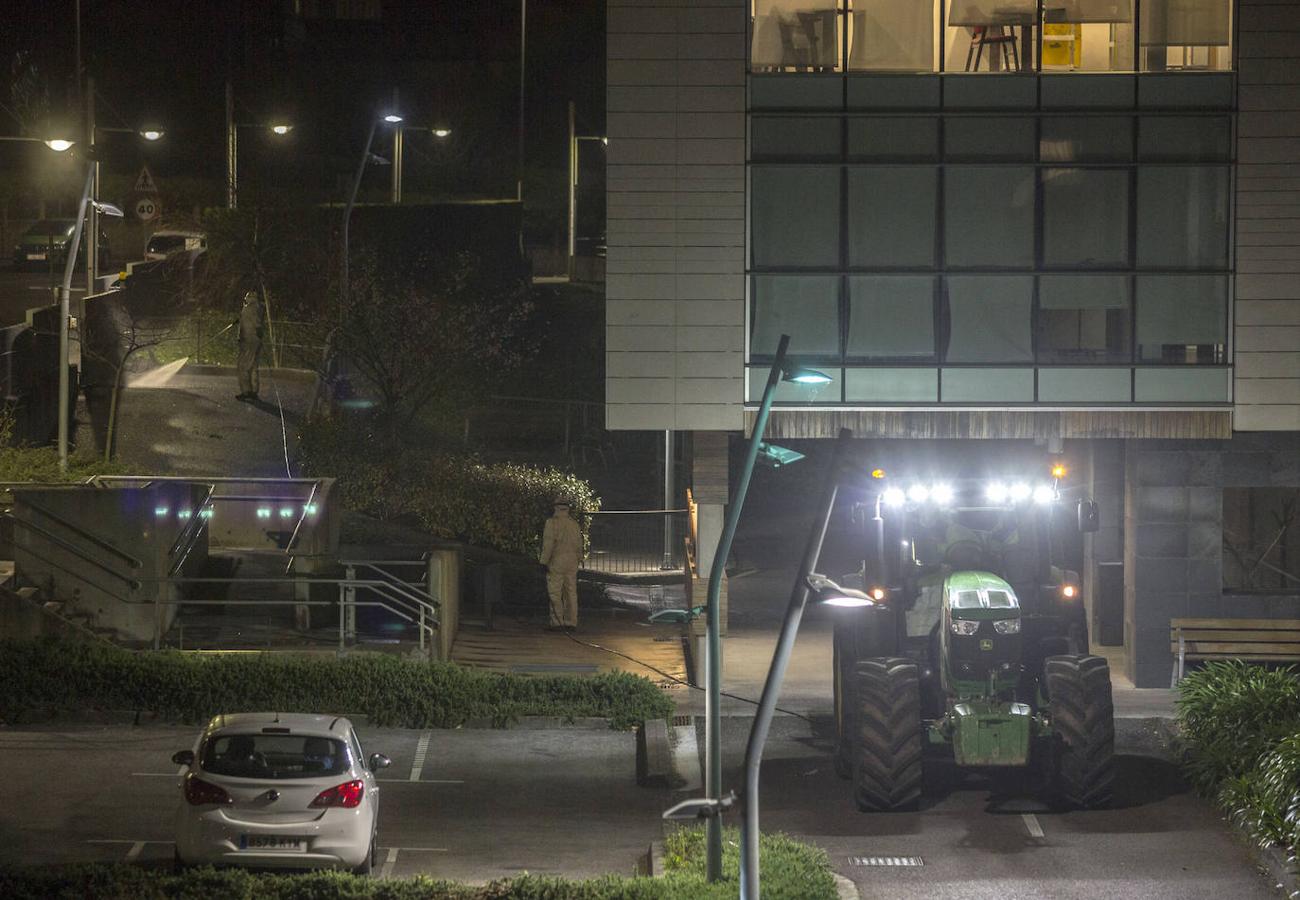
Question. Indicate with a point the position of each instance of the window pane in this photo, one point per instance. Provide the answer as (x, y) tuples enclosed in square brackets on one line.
[(1203, 139), (1182, 318), (1261, 524), (900, 384), (989, 318), (804, 136), (806, 307), (1088, 35), (1096, 385), (1083, 319), (795, 36), (891, 216), (988, 138), (990, 36), (796, 215), (1086, 139), (897, 35), (896, 138), (891, 317), (1186, 34), (1085, 217), (1183, 217), (969, 385), (989, 216)]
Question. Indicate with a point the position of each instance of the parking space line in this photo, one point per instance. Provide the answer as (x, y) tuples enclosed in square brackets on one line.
[(421, 751), (1031, 825), (421, 781), (389, 862)]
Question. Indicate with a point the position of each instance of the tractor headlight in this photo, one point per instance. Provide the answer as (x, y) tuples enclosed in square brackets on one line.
[(965, 627), (1007, 626)]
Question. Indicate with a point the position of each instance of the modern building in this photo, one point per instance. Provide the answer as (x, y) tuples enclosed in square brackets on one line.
[(1071, 222)]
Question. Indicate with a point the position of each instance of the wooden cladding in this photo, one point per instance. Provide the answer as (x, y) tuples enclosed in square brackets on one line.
[(998, 424), (710, 473)]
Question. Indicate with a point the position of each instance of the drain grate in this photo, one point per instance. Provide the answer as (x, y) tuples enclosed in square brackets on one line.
[(903, 861)]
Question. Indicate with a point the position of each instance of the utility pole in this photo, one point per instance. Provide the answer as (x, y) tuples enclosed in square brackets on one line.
[(232, 158), (573, 193), (92, 225), (397, 156), (523, 45)]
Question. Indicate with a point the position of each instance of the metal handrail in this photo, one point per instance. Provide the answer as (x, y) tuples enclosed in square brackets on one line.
[(82, 533), (418, 594), (130, 582), (196, 524), (302, 517)]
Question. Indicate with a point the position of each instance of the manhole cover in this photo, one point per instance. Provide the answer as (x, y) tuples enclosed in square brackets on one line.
[(886, 861)]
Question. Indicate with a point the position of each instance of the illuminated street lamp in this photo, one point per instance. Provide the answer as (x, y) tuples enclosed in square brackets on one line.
[(278, 128), (58, 145)]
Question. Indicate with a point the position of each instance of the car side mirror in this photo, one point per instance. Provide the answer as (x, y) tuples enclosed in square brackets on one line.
[(379, 761), (1089, 517), (183, 757)]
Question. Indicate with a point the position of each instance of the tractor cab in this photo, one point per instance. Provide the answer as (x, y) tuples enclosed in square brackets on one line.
[(980, 637)]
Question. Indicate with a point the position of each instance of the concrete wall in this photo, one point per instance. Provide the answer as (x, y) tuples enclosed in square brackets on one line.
[(1173, 537), (1267, 309), (675, 286)]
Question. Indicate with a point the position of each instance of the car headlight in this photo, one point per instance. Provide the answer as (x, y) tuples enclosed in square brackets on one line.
[(965, 627), (1007, 626)]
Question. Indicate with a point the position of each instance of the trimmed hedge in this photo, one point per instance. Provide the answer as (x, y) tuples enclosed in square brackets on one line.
[(389, 690), (1241, 727), (498, 505), (790, 871)]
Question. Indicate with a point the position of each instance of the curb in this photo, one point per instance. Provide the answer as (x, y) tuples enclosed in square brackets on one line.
[(1153, 736), (654, 755), (1273, 859), (846, 889)]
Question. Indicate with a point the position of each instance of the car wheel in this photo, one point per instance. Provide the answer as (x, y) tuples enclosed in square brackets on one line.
[(368, 864)]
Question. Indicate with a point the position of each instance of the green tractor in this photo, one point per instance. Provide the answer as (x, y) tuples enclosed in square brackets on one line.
[(974, 657)]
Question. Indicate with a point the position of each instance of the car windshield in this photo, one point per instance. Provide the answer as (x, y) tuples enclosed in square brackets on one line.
[(274, 756), (966, 600), (166, 243), (1001, 600), (988, 599)]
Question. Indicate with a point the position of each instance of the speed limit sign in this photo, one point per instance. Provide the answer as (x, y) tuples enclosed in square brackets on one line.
[(146, 209)]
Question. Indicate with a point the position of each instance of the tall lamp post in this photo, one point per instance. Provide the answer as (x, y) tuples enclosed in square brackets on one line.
[(277, 127), (780, 371), (828, 592), (391, 118)]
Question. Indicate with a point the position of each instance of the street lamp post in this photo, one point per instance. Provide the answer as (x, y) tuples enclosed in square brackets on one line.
[(277, 128), (749, 879), (393, 119), (713, 664)]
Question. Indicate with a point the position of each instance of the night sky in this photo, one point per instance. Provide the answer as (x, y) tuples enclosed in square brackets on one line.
[(455, 65)]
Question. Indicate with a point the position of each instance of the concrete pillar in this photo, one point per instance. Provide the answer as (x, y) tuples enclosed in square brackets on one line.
[(710, 486), (1104, 483)]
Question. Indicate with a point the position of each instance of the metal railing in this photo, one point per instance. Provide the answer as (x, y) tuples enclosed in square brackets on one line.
[(636, 541)]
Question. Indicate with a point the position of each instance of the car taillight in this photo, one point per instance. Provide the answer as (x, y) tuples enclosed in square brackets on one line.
[(347, 795), (198, 792)]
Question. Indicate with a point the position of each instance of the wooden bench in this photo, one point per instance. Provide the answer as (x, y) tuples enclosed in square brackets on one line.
[(1258, 640)]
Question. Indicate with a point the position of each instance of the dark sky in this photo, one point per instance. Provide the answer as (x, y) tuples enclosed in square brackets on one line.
[(455, 64)]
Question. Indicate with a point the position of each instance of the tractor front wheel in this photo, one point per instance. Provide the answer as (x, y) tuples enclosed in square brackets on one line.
[(887, 758), (1078, 688)]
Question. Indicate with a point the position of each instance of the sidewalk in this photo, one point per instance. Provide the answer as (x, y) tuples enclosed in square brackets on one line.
[(185, 420)]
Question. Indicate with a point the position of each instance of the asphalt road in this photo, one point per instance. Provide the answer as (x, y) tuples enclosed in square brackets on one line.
[(486, 803), (975, 842)]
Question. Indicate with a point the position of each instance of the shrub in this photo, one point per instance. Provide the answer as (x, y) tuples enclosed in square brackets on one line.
[(51, 674), (498, 505), (1231, 714)]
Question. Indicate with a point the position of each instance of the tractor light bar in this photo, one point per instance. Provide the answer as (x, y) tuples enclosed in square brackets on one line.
[(996, 493)]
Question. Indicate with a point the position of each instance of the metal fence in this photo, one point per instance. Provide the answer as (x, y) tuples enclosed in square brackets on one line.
[(640, 541)]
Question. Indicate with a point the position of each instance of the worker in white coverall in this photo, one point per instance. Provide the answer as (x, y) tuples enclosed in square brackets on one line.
[(561, 554), (250, 346)]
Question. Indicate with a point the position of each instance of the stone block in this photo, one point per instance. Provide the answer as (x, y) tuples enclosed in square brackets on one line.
[(1161, 504), (1204, 575), (1247, 469), (1163, 468), (1205, 605), (1205, 468), (1204, 540), (1156, 541), (1205, 504)]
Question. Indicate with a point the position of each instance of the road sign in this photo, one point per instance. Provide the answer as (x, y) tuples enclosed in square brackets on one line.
[(147, 209), (145, 183)]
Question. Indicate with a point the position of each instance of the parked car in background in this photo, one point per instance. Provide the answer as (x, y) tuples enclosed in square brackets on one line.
[(45, 246), (278, 790), (168, 241)]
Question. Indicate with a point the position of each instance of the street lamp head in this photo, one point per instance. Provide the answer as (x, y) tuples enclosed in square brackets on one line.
[(281, 128), (392, 118), (108, 209), (441, 132), (59, 145), (152, 134), (604, 141), (800, 375), (774, 456), (699, 808), (828, 593)]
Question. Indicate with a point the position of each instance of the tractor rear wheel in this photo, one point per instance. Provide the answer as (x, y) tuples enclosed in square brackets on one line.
[(887, 758), (1078, 688)]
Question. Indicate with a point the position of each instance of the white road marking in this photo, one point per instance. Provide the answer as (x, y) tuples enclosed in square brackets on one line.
[(421, 751), (134, 851), (1031, 825), (423, 781), (389, 862)]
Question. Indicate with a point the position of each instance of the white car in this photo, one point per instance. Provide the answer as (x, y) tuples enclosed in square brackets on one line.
[(278, 790)]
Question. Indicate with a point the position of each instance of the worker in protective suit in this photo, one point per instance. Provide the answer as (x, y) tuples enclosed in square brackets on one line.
[(561, 554), (250, 324)]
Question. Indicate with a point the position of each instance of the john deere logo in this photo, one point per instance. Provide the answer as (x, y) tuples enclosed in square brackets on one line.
[(986, 644)]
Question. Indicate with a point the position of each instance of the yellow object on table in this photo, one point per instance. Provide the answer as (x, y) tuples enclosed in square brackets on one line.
[(1062, 46)]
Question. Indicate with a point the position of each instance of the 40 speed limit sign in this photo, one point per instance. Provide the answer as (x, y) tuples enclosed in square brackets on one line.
[(147, 209)]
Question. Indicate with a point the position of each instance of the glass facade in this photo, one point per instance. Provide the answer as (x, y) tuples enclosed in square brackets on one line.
[(993, 255), (990, 35)]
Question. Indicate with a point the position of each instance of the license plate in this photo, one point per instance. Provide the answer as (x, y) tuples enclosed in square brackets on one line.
[(271, 842), (36, 256)]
